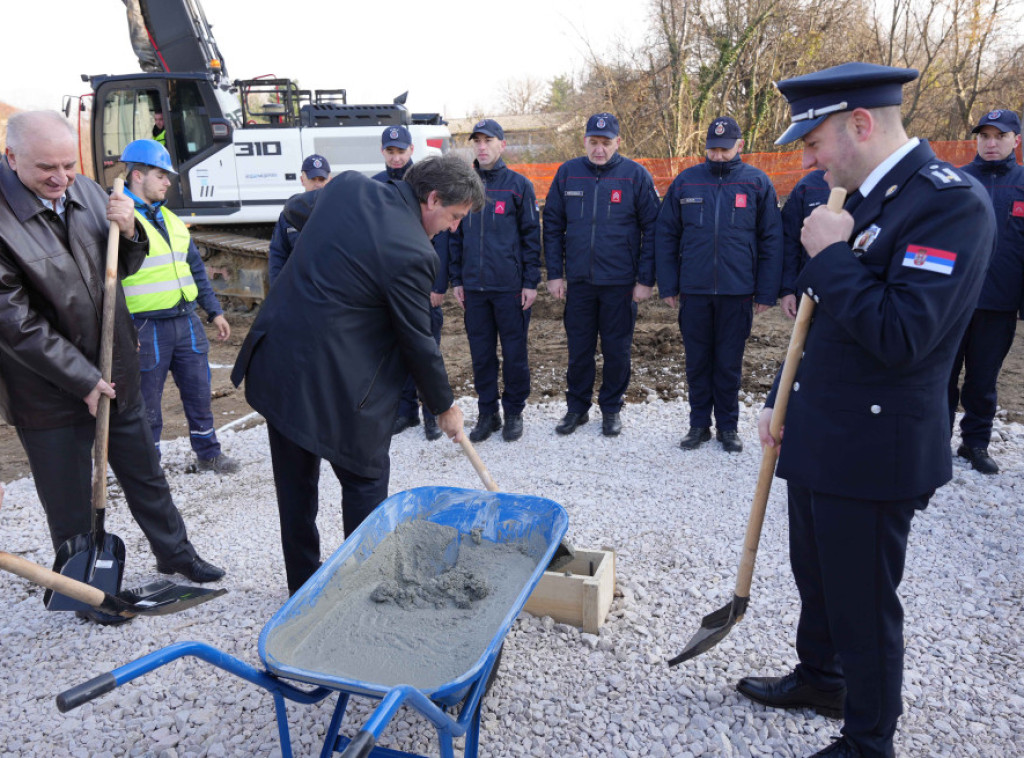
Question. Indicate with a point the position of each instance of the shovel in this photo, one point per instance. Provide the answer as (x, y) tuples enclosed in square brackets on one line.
[(96, 558), (153, 599), (715, 626)]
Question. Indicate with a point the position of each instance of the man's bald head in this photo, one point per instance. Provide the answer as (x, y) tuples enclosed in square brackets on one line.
[(41, 150)]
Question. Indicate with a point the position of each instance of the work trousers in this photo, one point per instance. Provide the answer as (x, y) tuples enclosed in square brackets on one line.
[(61, 464), (847, 558), (178, 345), (408, 402), (608, 312), (491, 316), (296, 479), (983, 349), (715, 330)]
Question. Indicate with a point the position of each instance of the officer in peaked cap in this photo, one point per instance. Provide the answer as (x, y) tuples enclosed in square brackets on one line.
[(314, 175), (895, 278)]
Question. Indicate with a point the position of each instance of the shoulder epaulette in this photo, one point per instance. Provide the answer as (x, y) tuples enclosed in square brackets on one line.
[(943, 175)]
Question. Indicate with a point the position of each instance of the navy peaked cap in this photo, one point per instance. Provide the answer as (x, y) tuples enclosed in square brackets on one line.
[(813, 97)]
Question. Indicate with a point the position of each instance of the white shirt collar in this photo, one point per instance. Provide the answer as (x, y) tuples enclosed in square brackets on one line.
[(886, 166), (57, 207)]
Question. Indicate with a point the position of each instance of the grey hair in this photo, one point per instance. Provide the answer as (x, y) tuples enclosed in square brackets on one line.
[(455, 182), (20, 125)]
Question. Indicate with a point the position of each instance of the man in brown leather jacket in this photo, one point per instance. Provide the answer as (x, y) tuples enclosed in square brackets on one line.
[(53, 231)]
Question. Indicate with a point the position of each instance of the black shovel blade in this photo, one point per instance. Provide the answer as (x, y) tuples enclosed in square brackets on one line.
[(159, 598), (713, 629), (98, 564)]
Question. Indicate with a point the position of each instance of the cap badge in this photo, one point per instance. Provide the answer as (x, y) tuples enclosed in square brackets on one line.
[(480, 124), (394, 134), (719, 128), (317, 163), (600, 123), (994, 114)]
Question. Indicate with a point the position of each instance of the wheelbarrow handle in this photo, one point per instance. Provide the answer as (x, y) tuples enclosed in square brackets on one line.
[(361, 745), (86, 691)]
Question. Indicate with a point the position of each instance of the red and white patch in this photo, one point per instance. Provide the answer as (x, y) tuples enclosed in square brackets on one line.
[(499, 207), (1018, 209), (616, 196), (741, 201)]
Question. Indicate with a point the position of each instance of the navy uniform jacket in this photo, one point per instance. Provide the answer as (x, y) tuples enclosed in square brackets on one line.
[(868, 417), (599, 223), (720, 233), (326, 358), (497, 249), (1004, 286), (286, 231), (808, 194)]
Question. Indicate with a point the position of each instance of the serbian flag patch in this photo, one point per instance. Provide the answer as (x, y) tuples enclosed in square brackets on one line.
[(929, 259)]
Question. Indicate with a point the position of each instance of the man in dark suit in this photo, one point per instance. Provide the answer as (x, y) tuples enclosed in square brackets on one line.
[(325, 359), (895, 278)]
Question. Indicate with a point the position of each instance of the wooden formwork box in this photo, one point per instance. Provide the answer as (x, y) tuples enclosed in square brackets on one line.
[(580, 593)]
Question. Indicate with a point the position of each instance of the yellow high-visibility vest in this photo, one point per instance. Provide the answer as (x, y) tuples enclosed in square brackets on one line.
[(165, 277)]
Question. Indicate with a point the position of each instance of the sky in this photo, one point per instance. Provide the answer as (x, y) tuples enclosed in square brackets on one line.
[(454, 58)]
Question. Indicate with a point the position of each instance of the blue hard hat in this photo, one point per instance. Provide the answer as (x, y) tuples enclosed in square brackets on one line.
[(149, 153)]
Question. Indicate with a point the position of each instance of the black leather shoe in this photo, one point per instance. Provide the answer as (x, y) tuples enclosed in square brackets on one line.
[(430, 429), (571, 422), (513, 427), (789, 692), (694, 438), (486, 425), (404, 422), (979, 458), (198, 571), (730, 441), (103, 619), (841, 748), (611, 424)]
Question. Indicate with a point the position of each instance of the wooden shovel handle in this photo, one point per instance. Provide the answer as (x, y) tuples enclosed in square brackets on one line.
[(99, 450), (770, 455), (52, 580), (481, 469)]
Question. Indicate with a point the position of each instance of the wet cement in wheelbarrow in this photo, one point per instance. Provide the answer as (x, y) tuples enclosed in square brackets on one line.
[(420, 610)]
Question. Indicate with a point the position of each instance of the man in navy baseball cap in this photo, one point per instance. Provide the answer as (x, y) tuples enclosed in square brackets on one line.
[(395, 136), (813, 97), (602, 125), (723, 133), (1005, 121), (315, 172), (489, 128)]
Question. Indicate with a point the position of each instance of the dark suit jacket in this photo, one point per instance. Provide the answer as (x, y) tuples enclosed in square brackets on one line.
[(868, 416), (326, 358)]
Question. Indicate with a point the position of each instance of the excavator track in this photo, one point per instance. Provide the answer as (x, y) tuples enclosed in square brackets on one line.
[(235, 263)]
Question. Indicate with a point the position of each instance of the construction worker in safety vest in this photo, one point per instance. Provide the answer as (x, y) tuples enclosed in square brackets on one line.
[(162, 299)]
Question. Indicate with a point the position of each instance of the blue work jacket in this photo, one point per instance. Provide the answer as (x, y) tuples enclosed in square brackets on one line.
[(1004, 284), (720, 233), (497, 249), (599, 223), (808, 194)]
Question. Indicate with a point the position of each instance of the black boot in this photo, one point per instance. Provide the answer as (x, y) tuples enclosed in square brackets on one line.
[(430, 428), (404, 422), (571, 421), (486, 425), (513, 427), (730, 441), (611, 424), (979, 458), (694, 438)]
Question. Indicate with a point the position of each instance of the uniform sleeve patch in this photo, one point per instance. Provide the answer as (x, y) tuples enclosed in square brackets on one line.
[(929, 259), (1018, 209), (741, 201)]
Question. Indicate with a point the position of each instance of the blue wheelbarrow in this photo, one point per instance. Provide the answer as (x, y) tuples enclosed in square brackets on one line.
[(532, 526)]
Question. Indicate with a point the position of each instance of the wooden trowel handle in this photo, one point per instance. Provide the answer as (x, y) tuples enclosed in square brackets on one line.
[(481, 469), (99, 450)]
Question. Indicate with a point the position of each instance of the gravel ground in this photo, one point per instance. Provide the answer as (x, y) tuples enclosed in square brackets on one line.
[(676, 520)]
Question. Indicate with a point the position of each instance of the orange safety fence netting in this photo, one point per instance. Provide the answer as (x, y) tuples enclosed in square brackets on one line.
[(785, 169)]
